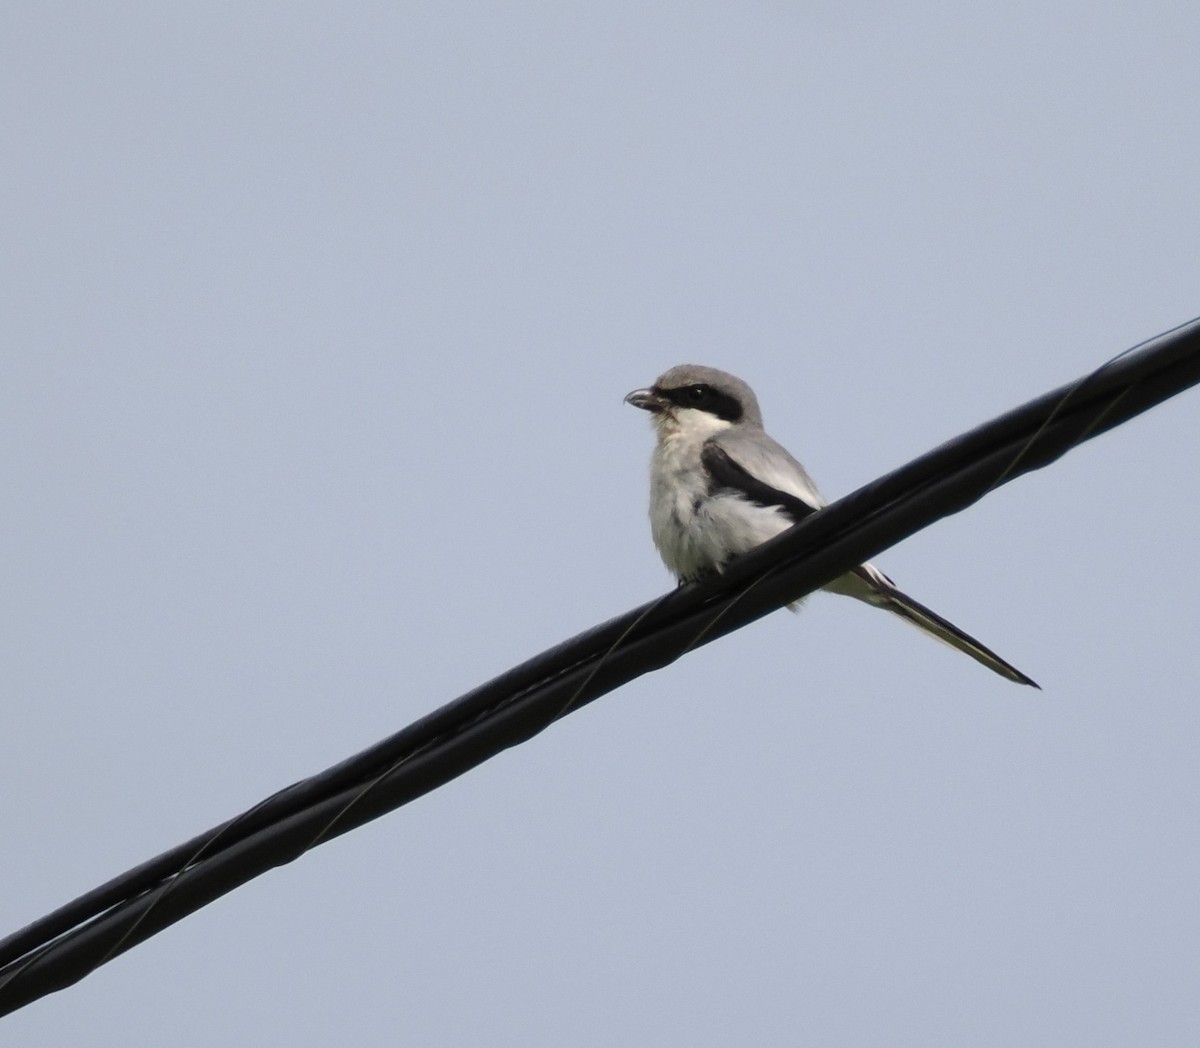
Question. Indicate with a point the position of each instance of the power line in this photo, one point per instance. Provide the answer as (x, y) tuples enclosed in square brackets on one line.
[(66, 945)]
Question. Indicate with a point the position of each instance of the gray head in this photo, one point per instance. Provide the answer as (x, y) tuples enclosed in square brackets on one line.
[(704, 389)]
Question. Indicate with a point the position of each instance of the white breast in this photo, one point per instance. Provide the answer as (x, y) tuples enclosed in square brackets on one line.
[(695, 532)]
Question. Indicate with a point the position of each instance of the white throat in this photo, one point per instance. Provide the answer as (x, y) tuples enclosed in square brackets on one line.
[(689, 424)]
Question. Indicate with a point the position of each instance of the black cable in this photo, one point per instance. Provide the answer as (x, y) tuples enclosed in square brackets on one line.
[(66, 945)]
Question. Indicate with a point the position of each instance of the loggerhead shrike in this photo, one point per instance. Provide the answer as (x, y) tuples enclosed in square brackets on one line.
[(719, 486)]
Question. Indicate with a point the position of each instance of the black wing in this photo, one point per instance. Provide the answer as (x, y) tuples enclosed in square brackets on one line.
[(727, 475)]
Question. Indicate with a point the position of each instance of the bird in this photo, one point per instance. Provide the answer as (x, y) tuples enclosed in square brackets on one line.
[(719, 486)]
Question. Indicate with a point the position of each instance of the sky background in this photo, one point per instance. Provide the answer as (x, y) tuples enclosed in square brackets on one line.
[(316, 321)]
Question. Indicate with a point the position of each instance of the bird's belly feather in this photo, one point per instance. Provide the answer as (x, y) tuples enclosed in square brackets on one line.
[(697, 532)]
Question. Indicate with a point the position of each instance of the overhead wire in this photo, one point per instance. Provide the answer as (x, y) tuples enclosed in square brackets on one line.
[(66, 945)]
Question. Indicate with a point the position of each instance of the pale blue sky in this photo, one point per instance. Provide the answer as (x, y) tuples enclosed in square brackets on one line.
[(316, 325)]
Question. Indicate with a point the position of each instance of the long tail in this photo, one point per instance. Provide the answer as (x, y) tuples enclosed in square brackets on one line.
[(872, 586)]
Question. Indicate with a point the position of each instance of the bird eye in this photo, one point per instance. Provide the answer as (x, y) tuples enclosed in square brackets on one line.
[(696, 393)]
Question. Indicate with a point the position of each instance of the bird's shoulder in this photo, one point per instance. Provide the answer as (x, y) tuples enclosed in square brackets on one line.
[(756, 465)]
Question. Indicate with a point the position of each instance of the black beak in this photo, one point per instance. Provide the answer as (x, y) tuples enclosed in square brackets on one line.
[(646, 399)]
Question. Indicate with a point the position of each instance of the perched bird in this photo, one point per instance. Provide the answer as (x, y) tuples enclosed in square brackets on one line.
[(719, 486)]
